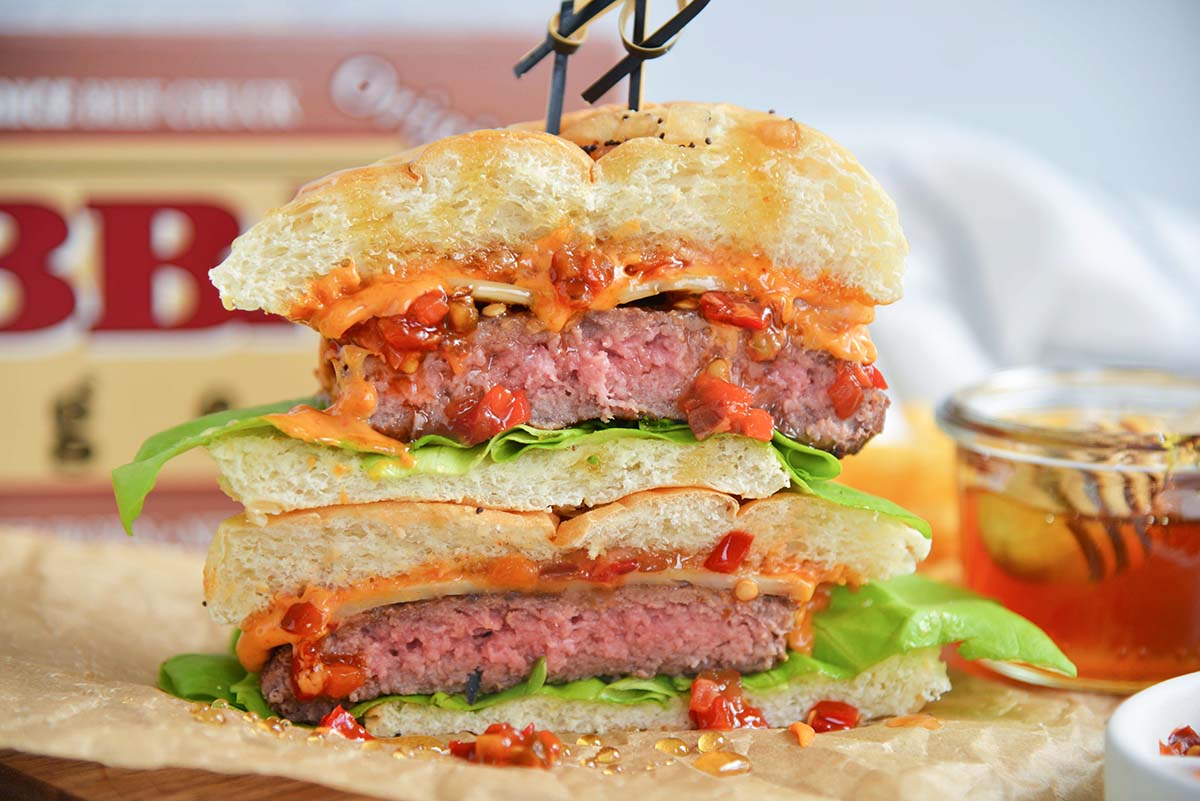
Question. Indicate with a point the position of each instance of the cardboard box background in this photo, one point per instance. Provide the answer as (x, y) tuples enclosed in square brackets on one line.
[(91, 126)]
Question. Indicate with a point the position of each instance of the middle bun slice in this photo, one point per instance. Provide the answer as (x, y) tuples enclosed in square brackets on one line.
[(269, 473)]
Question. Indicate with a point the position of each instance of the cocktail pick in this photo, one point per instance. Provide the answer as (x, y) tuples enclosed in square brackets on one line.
[(653, 46), (561, 39), (568, 30)]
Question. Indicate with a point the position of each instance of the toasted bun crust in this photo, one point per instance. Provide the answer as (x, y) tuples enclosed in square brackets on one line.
[(899, 685), (269, 474), (346, 546), (681, 175)]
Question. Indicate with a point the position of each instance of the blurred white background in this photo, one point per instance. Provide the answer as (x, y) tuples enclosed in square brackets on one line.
[(1110, 91)]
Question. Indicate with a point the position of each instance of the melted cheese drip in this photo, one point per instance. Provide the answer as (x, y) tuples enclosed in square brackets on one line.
[(345, 423), (823, 314)]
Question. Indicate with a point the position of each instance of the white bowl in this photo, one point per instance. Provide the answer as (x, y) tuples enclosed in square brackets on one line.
[(1134, 770)]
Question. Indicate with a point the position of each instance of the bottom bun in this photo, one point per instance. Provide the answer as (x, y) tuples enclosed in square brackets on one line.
[(900, 685)]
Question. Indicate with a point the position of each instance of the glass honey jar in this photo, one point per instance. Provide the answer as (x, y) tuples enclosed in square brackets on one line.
[(1079, 499)]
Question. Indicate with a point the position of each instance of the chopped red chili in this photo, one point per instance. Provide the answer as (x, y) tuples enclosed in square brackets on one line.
[(403, 335), (501, 744), (419, 328), (722, 307), (303, 619), (1183, 742), (579, 278), (715, 406), (656, 264), (342, 678), (717, 703), (498, 410), (316, 674), (847, 389), (730, 552), (342, 722), (606, 571), (846, 394), (427, 324), (832, 716), (430, 308)]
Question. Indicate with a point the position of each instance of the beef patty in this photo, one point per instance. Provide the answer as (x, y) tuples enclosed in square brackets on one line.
[(427, 646), (625, 363)]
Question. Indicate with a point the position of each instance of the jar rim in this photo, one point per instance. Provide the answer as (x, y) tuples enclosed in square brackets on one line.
[(960, 414)]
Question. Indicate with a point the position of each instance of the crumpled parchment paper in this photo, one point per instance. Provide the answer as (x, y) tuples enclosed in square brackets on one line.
[(83, 627)]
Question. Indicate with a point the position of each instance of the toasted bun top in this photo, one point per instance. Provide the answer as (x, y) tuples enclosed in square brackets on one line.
[(678, 195)]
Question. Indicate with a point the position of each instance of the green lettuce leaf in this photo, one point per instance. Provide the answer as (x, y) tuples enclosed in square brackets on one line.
[(865, 626), (629, 690), (807, 464), (212, 677), (857, 499), (531, 685), (859, 629), (247, 695), (132, 482), (797, 666), (810, 468), (201, 677)]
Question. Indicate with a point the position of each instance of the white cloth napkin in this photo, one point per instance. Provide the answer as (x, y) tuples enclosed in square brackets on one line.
[(1015, 263)]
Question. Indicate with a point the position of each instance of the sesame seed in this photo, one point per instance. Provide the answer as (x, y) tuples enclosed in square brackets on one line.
[(708, 140)]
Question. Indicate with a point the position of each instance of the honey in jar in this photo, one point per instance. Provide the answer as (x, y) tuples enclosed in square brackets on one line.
[(1080, 509)]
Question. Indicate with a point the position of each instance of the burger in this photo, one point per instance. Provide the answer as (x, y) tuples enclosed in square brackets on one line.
[(582, 398)]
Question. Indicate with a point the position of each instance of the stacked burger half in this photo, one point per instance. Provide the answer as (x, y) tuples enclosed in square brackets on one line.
[(582, 398)]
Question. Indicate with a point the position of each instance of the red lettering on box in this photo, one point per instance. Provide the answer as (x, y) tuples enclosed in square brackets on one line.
[(46, 299)]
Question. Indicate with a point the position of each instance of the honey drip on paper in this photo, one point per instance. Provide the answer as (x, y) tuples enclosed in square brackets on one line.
[(673, 746), (722, 763), (415, 744)]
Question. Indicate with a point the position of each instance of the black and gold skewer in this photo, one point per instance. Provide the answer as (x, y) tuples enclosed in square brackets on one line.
[(567, 31), (655, 45), (639, 38)]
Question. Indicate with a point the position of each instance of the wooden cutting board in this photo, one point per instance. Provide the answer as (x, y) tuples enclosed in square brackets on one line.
[(30, 777)]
